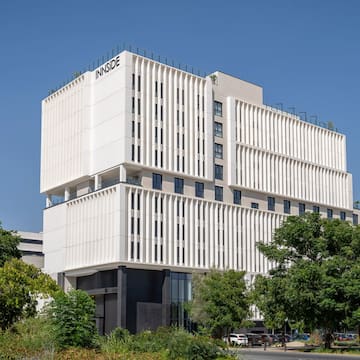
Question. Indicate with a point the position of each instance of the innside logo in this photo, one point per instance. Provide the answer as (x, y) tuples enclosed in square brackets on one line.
[(110, 65)]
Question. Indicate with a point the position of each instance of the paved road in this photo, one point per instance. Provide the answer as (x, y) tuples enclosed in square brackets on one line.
[(259, 354)]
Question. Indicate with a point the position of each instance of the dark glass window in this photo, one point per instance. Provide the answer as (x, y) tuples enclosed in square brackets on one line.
[(132, 200), (254, 205), (287, 206), (199, 189), (139, 83), (179, 185), (156, 88), (343, 215), (157, 181), (138, 106), (271, 203), (133, 105), (133, 81), (237, 197), (219, 193), (133, 152), (219, 172), (355, 219), (316, 209), (329, 213), (301, 209), (218, 129), (217, 108), (218, 150)]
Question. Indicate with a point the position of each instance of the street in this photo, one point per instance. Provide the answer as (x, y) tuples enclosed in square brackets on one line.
[(259, 354)]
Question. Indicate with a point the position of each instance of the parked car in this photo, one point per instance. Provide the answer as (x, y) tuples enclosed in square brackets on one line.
[(254, 339), (237, 339), (288, 337)]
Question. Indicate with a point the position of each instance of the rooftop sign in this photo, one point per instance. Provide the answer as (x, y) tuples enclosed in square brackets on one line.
[(110, 65)]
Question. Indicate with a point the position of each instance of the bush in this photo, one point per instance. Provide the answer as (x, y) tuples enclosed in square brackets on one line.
[(165, 343), (72, 315)]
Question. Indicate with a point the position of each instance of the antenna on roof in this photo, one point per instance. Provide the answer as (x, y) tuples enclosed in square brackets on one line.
[(305, 115)]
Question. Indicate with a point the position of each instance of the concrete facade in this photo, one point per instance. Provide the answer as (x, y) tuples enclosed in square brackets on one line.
[(149, 169)]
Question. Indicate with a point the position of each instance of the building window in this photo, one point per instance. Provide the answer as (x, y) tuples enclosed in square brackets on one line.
[(219, 172), (133, 105), (316, 209), (161, 90), (138, 106), (219, 193), (271, 203), (355, 219), (217, 108), (343, 215), (133, 128), (301, 209), (237, 197), (199, 189), (218, 148), (329, 213), (157, 181), (179, 185), (287, 206), (133, 81), (133, 152), (156, 88), (218, 129), (254, 205)]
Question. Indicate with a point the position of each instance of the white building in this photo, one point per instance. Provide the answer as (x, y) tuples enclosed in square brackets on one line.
[(30, 246), (152, 173)]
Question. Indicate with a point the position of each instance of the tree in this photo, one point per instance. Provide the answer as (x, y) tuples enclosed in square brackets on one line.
[(220, 301), (20, 286), (9, 242), (316, 260), (73, 316)]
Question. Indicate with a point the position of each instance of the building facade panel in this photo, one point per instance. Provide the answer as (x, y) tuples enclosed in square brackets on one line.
[(161, 172)]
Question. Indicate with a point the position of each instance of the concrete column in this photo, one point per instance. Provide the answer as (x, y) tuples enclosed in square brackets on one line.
[(48, 200), (67, 194), (121, 296), (166, 298), (122, 175), (97, 182)]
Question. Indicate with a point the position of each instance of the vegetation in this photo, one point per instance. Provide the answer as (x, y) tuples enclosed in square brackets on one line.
[(36, 338), (316, 277), (72, 315), (20, 286), (220, 301), (9, 242)]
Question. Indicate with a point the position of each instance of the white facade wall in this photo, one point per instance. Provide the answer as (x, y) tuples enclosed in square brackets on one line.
[(144, 117)]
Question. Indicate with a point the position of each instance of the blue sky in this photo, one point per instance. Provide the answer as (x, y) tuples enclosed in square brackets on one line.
[(305, 54)]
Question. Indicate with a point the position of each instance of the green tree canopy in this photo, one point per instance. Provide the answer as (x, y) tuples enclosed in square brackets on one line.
[(20, 286), (220, 301), (9, 242), (316, 278)]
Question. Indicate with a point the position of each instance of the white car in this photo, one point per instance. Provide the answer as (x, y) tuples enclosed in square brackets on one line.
[(237, 339)]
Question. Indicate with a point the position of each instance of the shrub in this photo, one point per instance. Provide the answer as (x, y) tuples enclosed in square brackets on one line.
[(72, 315)]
